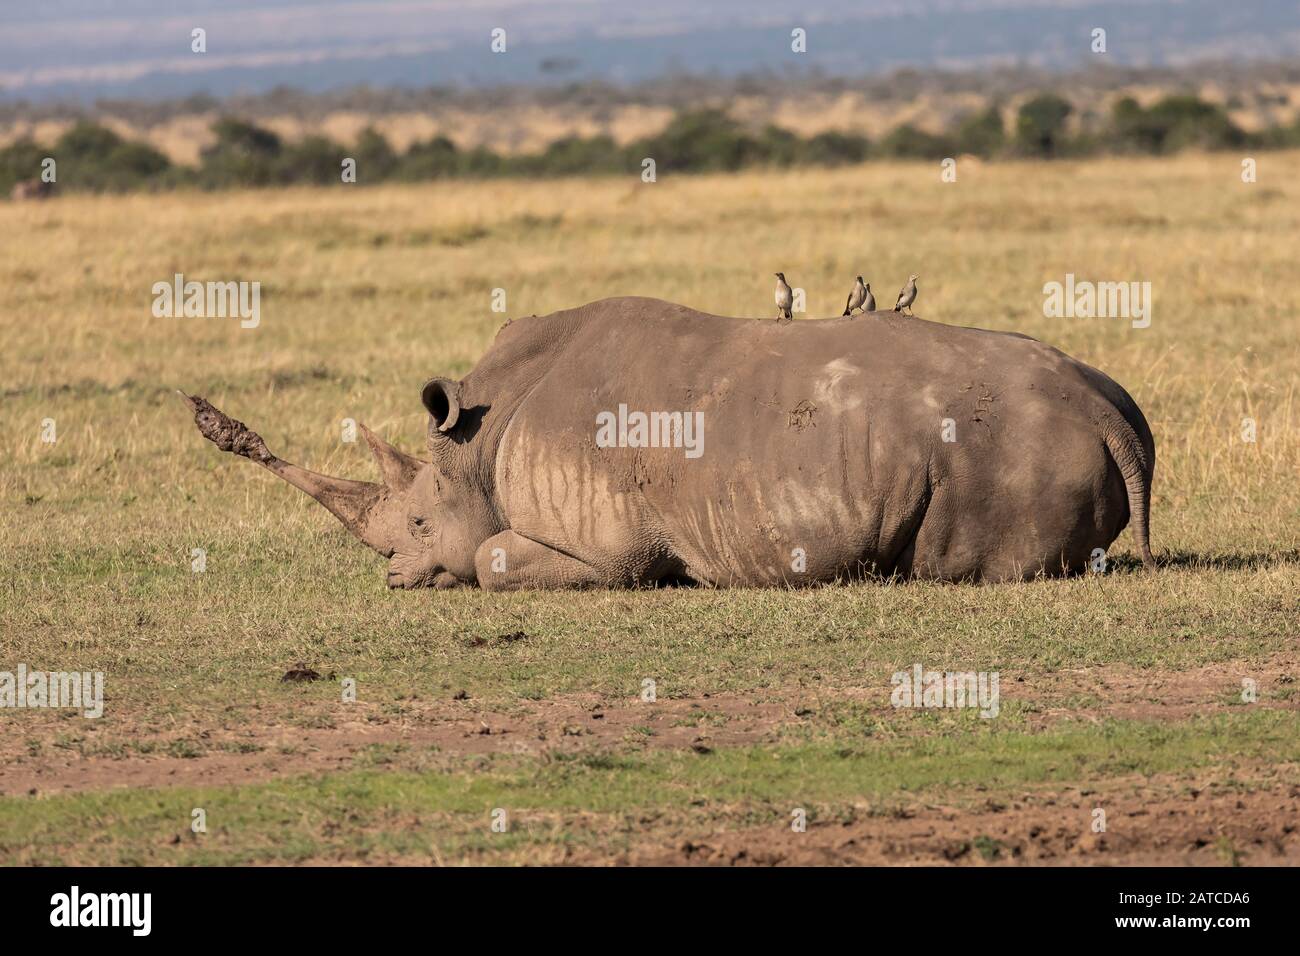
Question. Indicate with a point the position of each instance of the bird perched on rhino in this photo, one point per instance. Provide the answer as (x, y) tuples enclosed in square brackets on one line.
[(784, 298), (860, 298), (907, 296)]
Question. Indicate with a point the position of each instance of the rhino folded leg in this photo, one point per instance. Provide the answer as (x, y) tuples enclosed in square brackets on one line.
[(511, 562)]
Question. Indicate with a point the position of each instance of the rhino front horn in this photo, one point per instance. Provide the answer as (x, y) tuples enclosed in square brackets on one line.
[(441, 396), (354, 503)]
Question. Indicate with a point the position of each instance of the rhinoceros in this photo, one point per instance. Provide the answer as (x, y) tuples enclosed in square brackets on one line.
[(31, 189), (634, 442)]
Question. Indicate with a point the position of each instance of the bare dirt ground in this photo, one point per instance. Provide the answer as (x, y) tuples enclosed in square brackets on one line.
[(1150, 822), (1147, 825), (281, 738)]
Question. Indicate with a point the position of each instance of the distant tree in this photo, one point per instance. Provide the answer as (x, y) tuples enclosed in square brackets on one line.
[(244, 138), (1194, 123), (131, 166), (1131, 131), (87, 141), (1040, 125)]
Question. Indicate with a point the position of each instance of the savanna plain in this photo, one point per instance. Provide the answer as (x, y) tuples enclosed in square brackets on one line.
[(1166, 699)]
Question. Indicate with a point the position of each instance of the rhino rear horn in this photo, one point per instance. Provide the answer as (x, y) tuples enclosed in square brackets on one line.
[(398, 468), (441, 396)]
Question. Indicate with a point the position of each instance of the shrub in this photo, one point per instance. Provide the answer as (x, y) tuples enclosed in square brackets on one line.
[(435, 158), (19, 160), (92, 157), (376, 160), (982, 134), (481, 161), (835, 149), (908, 142), (314, 159), (87, 141), (699, 141), (243, 155), (575, 155), (778, 147), (1174, 123), (131, 165)]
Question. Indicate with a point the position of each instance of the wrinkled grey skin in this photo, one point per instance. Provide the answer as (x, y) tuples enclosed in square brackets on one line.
[(822, 440)]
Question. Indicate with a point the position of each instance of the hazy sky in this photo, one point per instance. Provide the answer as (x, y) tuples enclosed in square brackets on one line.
[(88, 48)]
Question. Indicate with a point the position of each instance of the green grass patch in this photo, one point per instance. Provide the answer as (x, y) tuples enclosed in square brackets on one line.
[(447, 810)]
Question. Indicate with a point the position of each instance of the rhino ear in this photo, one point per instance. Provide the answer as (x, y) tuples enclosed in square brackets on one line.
[(441, 396)]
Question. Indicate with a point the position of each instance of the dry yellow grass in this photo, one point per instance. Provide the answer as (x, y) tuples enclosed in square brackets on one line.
[(383, 287), (366, 292)]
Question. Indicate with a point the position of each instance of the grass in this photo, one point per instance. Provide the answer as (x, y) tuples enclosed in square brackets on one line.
[(446, 812), (205, 637), (366, 295)]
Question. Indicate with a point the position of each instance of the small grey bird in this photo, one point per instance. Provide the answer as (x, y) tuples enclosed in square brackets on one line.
[(907, 296), (860, 298), (784, 298)]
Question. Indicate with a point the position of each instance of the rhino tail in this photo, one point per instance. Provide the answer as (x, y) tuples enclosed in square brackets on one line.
[(1129, 454)]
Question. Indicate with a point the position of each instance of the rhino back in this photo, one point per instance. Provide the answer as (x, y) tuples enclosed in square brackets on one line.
[(821, 439)]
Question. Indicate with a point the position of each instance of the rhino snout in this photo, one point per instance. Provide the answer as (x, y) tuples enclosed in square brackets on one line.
[(409, 573), (410, 578)]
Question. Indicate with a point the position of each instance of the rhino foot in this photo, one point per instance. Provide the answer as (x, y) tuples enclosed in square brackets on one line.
[(227, 433)]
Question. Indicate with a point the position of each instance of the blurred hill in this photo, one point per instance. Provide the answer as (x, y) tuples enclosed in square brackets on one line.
[(84, 50)]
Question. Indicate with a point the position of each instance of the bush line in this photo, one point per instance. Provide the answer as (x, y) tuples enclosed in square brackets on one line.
[(93, 158)]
